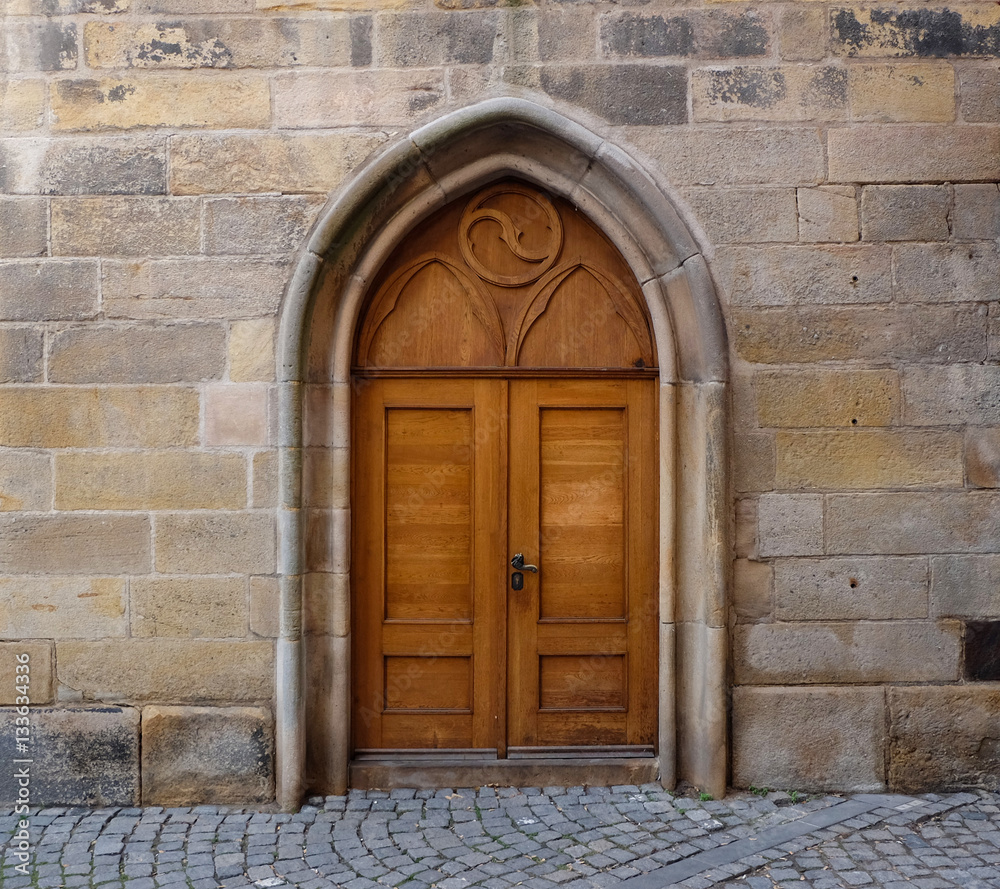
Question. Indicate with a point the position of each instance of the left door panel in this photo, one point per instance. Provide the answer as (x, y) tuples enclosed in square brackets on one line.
[(429, 532)]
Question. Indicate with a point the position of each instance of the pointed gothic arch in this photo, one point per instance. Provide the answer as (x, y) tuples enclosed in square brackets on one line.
[(357, 230)]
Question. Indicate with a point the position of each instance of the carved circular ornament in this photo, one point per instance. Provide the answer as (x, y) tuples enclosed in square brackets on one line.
[(540, 259)]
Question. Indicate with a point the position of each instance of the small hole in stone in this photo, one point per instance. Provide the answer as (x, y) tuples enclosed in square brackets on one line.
[(854, 279), (982, 650), (854, 421), (853, 582)]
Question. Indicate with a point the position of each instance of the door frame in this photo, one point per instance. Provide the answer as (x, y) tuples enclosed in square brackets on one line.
[(356, 232)]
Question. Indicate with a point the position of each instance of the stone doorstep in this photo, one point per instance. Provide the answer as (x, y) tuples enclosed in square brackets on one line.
[(741, 853)]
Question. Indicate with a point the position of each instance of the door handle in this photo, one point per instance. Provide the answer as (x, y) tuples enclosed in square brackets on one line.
[(517, 563)]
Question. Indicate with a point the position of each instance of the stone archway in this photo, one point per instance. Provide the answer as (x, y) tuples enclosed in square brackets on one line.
[(356, 232)]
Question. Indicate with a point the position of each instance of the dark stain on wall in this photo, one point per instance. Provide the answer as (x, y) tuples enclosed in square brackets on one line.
[(924, 33)]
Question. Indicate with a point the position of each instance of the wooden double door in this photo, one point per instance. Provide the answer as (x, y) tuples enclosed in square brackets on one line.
[(454, 649)]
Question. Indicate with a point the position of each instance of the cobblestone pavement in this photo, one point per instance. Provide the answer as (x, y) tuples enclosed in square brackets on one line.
[(636, 837)]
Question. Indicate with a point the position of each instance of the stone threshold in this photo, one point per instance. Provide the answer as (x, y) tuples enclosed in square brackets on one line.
[(742, 856)]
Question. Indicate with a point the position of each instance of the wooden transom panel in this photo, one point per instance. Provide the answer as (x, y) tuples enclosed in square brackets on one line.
[(511, 277)]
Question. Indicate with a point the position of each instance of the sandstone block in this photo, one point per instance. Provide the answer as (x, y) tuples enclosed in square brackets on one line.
[(220, 543), (89, 417), (205, 607), (850, 589), (790, 525), (629, 34), (325, 602), (828, 213), (976, 213), (178, 670), (356, 98), (184, 7), (948, 396), (236, 414), (622, 94), (25, 480), (818, 274), (265, 479), (37, 46), (20, 355), (993, 328), (220, 43), (904, 333), (803, 32), (748, 215), (62, 607), (842, 653), (902, 93), (68, 544), (914, 154), (426, 39), (264, 607), (798, 398), (913, 523), (82, 756), (48, 290), (905, 212), (206, 755), (157, 100), (258, 225), (982, 457), (753, 595), (23, 227), (980, 91), (722, 34), (208, 164), (752, 92), (38, 678), (150, 480), (66, 7), (564, 35), (944, 738), (779, 155), (109, 226), (22, 105), (340, 5), (753, 462), (745, 531), (326, 477), (83, 166), (868, 459), (195, 288), (930, 33), (251, 350), (965, 586), (809, 738), (137, 353), (326, 529)]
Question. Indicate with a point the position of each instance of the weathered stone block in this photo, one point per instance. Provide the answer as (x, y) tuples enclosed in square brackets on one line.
[(156, 100), (426, 39), (944, 738), (913, 523), (750, 92), (868, 459), (809, 738), (779, 156), (902, 93), (206, 607), (905, 213), (204, 755), (25, 480), (66, 7), (209, 164), (982, 457), (37, 680), (753, 596), (722, 34), (819, 653), (914, 154), (264, 606), (325, 530), (251, 350), (797, 398), (258, 225), (137, 353), (222, 543), (622, 94), (48, 290), (948, 396), (745, 531), (168, 669), (37, 46), (110, 226), (81, 756), (151, 480), (196, 288), (325, 602), (803, 33), (22, 105), (850, 589), (976, 213), (356, 98), (965, 586), (630, 34), (904, 333), (61, 607), (236, 414), (265, 479), (23, 227), (828, 213), (185, 7), (818, 274), (790, 525), (947, 273), (753, 461), (751, 215), (20, 355), (65, 544), (564, 35), (980, 91), (928, 33), (220, 43), (85, 417)]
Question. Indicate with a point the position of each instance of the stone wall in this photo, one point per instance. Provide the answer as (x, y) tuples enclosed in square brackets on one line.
[(161, 163)]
